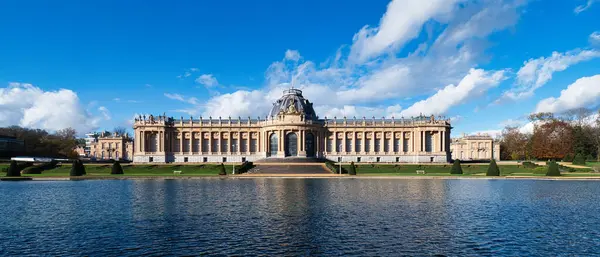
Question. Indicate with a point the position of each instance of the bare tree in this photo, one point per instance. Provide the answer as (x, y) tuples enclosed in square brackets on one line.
[(121, 131)]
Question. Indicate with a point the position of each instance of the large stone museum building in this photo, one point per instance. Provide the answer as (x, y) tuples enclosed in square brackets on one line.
[(291, 130)]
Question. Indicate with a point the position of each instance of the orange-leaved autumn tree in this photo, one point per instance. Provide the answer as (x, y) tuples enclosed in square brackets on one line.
[(552, 139)]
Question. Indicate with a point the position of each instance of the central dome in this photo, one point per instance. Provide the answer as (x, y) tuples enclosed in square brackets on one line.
[(292, 102)]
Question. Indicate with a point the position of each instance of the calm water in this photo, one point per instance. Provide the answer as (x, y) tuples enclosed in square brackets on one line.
[(300, 217)]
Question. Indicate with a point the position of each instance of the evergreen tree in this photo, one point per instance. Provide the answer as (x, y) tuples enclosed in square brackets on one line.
[(456, 168), (352, 170), (75, 170), (222, 171), (493, 169), (81, 168), (579, 159), (553, 169), (13, 170), (116, 169)]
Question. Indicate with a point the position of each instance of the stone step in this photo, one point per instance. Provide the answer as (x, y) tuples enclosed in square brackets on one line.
[(289, 169)]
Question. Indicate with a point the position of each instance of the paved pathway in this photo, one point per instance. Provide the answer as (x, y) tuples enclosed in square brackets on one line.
[(289, 169)]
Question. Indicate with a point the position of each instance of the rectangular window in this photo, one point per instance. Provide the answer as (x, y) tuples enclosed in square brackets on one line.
[(234, 145), (338, 147), (396, 145), (386, 145), (253, 145), (204, 159), (205, 146), (428, 142), (358, 147), (367, 145), (215, 146), (185, 159), (186, 145), (378, 159), (224, 159), (329, 145), (150, 159), (357, 159), (397, 159), (243, 159), (348, 145), (224, 145), (377, 145), (405, 145), (244, 146)]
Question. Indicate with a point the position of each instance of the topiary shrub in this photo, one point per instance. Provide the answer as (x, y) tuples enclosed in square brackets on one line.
[(456, 168), (81, 167), (579, 159), (116, 169), (222, 171), (530, 165), (352, 169), (553, 169), (493, 169), (13, 170), (75, 169)]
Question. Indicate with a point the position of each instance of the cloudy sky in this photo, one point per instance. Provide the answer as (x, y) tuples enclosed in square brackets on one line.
[(484, 64)]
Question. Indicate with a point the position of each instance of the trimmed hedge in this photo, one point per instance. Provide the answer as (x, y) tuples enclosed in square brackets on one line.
[(13, 170), (529, 165), (352, 170), (40, 168), (335, 168), (116, 169), (77, 169), (456, 168), (553, 169), (245, 167), (579, 159), (568, 158), (222, 171), (493, 169)]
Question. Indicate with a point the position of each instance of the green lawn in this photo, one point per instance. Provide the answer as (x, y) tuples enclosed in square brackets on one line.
[(444, 170), (137, 170)]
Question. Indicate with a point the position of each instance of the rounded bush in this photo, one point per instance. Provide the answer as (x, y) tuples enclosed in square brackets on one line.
[(579, 159), (553, 169), (493, 169), (456, 168), (116, 169), (13, 170), (222, 171), (352, 170)]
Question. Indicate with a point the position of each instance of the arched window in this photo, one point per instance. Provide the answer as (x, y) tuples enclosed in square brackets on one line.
[(273, 143)]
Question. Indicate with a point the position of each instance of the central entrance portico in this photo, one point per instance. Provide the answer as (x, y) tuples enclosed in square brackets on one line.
[(291, 144)]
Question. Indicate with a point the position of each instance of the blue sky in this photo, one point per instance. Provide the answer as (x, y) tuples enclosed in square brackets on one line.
[(484, 64)]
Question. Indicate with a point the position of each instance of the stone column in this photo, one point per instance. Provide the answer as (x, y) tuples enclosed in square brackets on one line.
[(412, 142), (239, 143), (443, 136), (344, 142), (400, 141), (334, 142), (353, 149), (363, 147), (210, 142), (220, 142), (372, 143), (143, 144)]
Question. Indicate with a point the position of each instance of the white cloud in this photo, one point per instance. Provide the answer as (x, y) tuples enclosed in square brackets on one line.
[(177, 97), (537, 72), (402, 22), (595, 37), (583, 92), (474, 83), (187, 73), (494, 133), (240, 103), (105, 113), (29, 106), (207, 80), (582, 8), (370, 76), (292, 55)]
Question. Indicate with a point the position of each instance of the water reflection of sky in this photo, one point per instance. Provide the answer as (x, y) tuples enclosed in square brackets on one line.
[(301, 217)]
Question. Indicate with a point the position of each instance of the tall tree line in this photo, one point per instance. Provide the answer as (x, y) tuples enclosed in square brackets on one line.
[(554, 137), (39, 142)]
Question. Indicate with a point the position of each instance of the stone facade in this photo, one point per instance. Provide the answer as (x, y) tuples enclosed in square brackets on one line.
[(475, 148), (115, 147), (292, 129)]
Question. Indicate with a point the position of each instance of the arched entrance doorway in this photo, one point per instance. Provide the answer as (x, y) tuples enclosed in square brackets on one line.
[(310, 145), (273, 145), (291, 144)]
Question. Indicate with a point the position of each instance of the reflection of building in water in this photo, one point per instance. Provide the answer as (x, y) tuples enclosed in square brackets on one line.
[(292, 129), (475, 147)]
